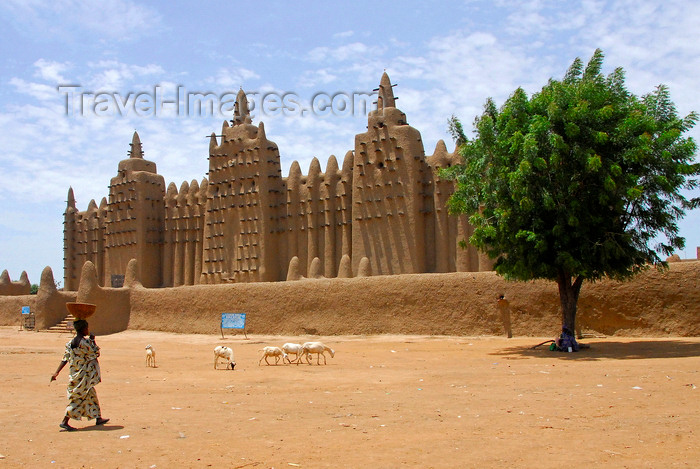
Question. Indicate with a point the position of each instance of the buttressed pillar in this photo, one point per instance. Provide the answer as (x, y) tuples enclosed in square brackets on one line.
[(71, 267)]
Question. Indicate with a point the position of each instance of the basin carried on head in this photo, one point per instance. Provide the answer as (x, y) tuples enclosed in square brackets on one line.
[(81, 310)]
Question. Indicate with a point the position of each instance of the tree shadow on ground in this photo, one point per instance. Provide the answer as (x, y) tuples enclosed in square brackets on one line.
[(611, 349)]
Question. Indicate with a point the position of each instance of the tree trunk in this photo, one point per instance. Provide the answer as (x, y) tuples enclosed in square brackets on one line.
[(568, 298)]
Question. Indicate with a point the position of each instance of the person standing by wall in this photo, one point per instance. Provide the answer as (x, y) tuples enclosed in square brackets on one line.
[(503, 306)]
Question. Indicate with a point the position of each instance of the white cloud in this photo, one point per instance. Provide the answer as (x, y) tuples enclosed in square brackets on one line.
[(38, 91), (232, 79), (456, 75), (81, 150), (112, 75), (50, 71), (355, 51), (111, 19), (343, 35), (313, 78), (654, 44)]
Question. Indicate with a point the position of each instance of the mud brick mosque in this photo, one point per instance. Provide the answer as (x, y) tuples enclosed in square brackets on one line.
[(381, 212)]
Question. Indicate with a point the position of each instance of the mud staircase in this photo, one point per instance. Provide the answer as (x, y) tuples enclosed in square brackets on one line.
[(66, 325)]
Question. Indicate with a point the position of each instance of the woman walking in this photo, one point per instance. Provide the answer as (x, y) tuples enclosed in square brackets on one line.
[(81, 354)]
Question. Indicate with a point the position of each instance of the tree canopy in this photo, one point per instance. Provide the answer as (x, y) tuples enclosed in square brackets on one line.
[(577, 181)]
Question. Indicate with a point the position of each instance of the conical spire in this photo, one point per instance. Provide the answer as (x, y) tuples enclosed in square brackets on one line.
[(135, 160), (348, 162), (314, 167), (315, 268), (71, 198), (193, 193), (203, 187), (136, 150), (331, 167), (194, 186), (385, 93), (184, 189), (441, 147), (345, 268), (295, 169), (46, 281), (171, 192), (293, 270), (241, 113), (132, 274), (440, 157)]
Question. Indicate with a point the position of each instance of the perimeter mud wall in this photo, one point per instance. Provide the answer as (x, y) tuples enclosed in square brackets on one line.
[(653, 304)]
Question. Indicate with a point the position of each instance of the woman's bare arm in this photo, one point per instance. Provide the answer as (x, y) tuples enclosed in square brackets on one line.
[(58, 370)]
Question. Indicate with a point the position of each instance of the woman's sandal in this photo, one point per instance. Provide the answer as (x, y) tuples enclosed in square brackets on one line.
[(101, 421), (67, 427)]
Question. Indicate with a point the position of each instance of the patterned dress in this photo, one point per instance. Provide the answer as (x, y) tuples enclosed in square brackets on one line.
[(84, 375)]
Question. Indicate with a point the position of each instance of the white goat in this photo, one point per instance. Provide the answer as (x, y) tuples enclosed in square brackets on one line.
[(318, 348), (272, 352), (225, 353), (150, 356), (291, 348)]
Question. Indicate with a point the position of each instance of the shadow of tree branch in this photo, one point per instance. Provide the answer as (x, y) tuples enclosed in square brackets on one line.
[(613, 349)]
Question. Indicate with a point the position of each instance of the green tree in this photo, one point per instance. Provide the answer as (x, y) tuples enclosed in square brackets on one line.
[(34, 289), (576, 182)]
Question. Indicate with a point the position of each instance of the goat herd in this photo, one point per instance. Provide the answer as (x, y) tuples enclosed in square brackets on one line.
[(300, 351)]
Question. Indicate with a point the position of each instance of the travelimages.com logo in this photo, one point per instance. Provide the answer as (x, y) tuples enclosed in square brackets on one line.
[(179, 102)]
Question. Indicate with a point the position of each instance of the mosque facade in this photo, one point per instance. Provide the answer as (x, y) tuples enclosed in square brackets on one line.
[(381, 211)]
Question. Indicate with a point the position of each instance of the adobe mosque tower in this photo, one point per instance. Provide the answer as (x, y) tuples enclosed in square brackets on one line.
[(400, 221), (71, 272), (135, 214), (128, 226), (389, 191), (244, 202)]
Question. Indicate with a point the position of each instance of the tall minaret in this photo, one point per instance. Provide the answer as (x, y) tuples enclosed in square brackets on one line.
[(389, 191), (71, 269), (135, 219), (385, 98), (244, 198), (241, 112)]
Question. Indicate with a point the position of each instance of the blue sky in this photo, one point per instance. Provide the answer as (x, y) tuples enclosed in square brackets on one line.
[(446, 57)]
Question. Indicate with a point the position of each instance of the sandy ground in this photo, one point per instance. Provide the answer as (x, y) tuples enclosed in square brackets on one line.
[(383, 401)]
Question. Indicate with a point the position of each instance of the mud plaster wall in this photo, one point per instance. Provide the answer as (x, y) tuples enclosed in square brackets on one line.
[(11, 308), (8, 287), (654, 304), (48, 305), (112, 313)]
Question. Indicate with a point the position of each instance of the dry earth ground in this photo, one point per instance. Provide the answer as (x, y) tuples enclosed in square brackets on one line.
[(383, 401)]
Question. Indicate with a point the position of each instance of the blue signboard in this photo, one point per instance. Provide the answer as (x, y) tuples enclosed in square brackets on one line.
[(233, 320), (25, 310)]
